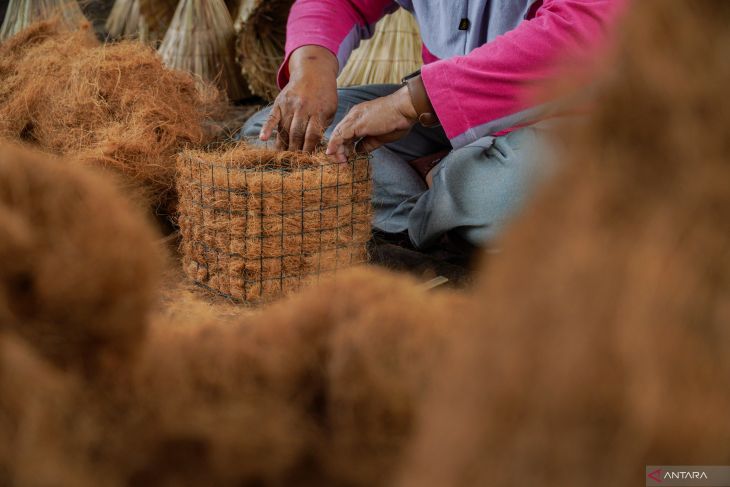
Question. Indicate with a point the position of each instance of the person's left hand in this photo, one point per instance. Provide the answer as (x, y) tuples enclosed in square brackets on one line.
[(373, 123)]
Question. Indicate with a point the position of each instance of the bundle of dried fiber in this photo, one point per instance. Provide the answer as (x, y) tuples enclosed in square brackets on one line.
[(393, 52), (257, 223), (125, 21), (158, 14), (241, 11), (262, 32), (201, 40), (233, 7), (113, 106), (21, 14), (79, 264), (604, 346)]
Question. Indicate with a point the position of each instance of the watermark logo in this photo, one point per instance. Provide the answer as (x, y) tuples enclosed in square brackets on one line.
[(688, 476), (656, 475)]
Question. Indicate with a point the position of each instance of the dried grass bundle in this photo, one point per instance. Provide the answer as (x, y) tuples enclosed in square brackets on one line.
[(20, 14), (78, 268), (201, 40), (393, 52), (262, 33), (233, 7), (257, 223), (158, 14), (113, 106), (243, 9), (125, 21), (605, 337)]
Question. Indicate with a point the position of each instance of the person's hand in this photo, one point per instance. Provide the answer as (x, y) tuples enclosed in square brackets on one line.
[(373, 124), (307, 105)]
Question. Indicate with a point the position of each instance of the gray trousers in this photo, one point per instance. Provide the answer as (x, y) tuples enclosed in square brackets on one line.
[(476, 189)]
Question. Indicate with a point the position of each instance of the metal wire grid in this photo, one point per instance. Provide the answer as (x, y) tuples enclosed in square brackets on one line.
[(246, 195)]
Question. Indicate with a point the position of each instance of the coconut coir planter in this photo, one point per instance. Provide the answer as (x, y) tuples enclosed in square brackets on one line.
[(258, 223)]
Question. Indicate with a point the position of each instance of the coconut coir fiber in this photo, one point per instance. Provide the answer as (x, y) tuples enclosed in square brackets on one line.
[(114, 106), (257, 223), (78, 264), (290, 396), (605, 321), (285, 397)]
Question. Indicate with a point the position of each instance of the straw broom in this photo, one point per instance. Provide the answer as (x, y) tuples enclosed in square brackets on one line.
[(141, 19), (125, 21), (158, 14), (393, 52), (232, 7), (22, 13), (262, 26), (201, 40)]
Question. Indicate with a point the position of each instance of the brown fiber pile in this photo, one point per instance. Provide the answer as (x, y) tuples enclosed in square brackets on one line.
[(42, 438), (606, 321), (78, 266), (257, 223), (288, 397), (113, 106), (596, 343), (95, 389)]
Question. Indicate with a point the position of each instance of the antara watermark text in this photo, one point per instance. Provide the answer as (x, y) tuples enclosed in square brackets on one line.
[(688, 476)]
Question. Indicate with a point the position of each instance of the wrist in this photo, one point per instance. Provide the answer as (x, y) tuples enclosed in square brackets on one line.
[(313, 61), (404, 103), (425, 113)]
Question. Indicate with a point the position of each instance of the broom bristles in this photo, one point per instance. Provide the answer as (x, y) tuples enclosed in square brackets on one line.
[(158, 13), (128, 20), (260, 45), (124, 19), (392, 53), (22, 13), (200, 40), (244, 9)]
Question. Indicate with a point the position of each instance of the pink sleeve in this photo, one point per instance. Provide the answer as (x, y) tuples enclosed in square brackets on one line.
[(337, 25), (487, 91)]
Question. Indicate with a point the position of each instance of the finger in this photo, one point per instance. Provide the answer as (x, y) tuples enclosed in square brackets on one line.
[(343, 133), (334, 146), (271, 123), (348, 149), (314, 135), (297, 131), (282, 139), (341, 151)]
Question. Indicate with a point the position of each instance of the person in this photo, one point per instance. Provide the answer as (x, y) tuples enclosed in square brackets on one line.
[(455, 149)]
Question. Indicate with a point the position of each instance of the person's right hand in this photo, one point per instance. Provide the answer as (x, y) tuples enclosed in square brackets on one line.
[(307, 104)]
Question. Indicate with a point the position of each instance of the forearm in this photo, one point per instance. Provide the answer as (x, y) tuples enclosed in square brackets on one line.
[(492, 88)]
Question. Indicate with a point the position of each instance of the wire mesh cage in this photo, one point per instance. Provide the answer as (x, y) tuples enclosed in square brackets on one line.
[(258, 223)]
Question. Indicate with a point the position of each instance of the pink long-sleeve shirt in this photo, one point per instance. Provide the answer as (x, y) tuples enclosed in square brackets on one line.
[(483, 58)]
